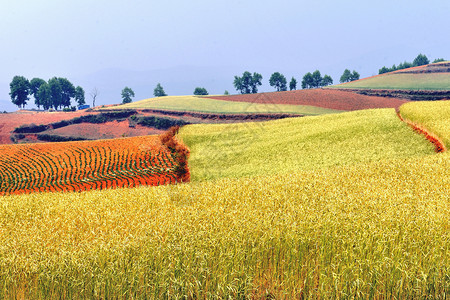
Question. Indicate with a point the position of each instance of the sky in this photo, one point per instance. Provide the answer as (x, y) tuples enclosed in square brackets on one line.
[(110, 44)]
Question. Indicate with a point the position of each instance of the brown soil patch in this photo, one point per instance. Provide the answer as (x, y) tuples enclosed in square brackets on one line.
[(108, 130), (326, 98), (10, 121)]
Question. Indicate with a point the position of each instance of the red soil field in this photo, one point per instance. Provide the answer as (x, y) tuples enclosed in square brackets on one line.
[(82, 166), (326, 98), (108, 130), (12, 120)]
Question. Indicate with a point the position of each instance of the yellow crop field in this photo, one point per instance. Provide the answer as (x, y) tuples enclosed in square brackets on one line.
[(351, 205), (294, 144), (432, 115), (375, 230)]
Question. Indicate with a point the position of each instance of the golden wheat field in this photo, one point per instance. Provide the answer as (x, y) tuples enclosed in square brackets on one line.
[(377, 229), (435, 116)]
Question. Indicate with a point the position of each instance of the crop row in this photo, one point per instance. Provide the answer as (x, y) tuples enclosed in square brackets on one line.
[(81, 166)]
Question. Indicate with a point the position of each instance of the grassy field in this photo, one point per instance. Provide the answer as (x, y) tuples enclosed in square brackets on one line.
[(200, 104), (370, 221), (434, 116), (376, 230), (289, 145), (425, 81)]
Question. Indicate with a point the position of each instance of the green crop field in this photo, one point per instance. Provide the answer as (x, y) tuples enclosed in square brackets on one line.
[(199, 104), (348, 206), (288, 145), (412, 81)]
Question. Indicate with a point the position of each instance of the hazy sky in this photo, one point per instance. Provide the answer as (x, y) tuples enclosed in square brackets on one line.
[(77, 38)]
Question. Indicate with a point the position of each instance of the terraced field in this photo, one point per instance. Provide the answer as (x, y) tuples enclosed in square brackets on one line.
[(81, 166), (326, 98), (203, 104), (428, 77)]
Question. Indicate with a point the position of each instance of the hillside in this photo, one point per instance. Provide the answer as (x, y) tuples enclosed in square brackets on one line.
[(325, 98), (88, 165), (342, 205), (289, 145), (377, 229), (432, 116), (210, 105), (429, 78)]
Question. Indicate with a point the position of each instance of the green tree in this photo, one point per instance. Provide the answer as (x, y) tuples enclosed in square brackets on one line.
[(200, 91), (44, 95), (67, 91), (327, 80), (79, 96), (159, 91), (35, 84), (248, 83), (346, 76), (421, 60), (20, 89), (256, 81), (127, 94), (438, 60), (316, 79), (307, 81), (382, 70), (404, 65), (293, 84), (278, 81), (354, 76), (226, 93), (55, 93)]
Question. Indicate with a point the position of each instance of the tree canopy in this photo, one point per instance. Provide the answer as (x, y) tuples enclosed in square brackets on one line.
[(79, 96), (57, 92), (421, 60), (348, 76), (327, 80), (248, 83), (44, 96), (67, 91), (200, 91), (35, 84), (159, 91), (127, 94), (20, 89), (315, 80), (278, 81), (293, 84)]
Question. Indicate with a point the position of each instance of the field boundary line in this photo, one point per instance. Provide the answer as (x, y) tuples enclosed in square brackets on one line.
[(439, 146)]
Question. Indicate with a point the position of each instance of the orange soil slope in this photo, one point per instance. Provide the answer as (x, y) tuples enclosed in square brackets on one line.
[(80, 166), (108, 130), (326, 98), (9, 121)]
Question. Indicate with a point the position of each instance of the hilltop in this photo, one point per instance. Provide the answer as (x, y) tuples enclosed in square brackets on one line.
[(428, 82)]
